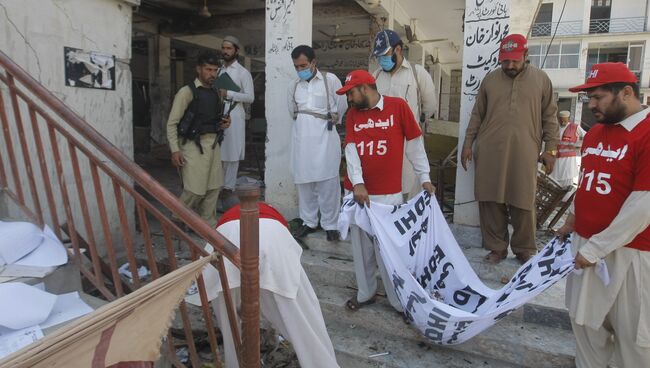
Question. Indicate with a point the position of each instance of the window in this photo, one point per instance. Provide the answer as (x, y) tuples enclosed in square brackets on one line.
[(543, 23), (601, 2), (558, 55), (601, 11)]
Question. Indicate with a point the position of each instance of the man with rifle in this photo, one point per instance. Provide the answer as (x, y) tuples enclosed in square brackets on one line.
[(194, 129)]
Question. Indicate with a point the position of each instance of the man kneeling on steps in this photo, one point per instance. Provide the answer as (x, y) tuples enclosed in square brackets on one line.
[(287, 299)]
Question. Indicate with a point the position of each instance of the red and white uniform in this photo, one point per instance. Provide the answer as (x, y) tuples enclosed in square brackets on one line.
[(378, 135), (612, 225), (566, 165), (615, 163)]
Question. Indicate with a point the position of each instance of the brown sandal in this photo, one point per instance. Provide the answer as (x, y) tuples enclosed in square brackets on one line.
[(523, 257), (495, 257), (353, 304)]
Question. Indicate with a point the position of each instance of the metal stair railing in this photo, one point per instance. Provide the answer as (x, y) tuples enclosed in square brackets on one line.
[(75, 174)]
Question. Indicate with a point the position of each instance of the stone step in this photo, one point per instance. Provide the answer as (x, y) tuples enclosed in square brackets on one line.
[(63, 279), (511, 341), (548, 309), (355, 346)]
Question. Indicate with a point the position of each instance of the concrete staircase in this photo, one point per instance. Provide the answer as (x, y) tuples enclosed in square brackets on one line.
[(537, 335)]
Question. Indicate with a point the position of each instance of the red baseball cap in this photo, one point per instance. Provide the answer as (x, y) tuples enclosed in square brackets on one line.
[(355, 78), (606, 73), (513, 47)]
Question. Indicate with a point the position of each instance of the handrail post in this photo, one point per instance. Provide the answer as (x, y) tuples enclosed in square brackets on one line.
[(250, 275)]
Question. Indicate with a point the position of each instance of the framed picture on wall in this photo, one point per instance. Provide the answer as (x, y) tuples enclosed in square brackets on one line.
[(89, 69)]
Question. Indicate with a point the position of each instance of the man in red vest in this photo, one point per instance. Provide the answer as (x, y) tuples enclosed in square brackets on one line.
[(380, 130), (566, 166), (610, 224)]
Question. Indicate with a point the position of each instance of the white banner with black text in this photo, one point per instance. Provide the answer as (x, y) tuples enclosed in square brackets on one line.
[(441, 294)]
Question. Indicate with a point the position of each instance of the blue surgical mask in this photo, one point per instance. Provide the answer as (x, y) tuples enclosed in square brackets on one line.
[(305, 74), (386, 62)]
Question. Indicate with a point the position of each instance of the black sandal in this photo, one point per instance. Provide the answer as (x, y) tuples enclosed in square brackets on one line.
[(353, 304)]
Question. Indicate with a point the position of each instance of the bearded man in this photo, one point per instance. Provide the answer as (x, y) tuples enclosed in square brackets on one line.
[(610, 225)]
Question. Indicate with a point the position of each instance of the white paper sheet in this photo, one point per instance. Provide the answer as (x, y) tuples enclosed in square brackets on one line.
[(14, 340), (18, 239), (68, 306), (50, 252), (23, 306)]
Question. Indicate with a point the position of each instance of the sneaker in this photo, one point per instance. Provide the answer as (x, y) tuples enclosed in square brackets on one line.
[(333, 235), (302, 231)]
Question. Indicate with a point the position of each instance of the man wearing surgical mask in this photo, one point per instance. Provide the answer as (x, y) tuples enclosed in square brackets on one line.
[(316, 146), (397, 77)]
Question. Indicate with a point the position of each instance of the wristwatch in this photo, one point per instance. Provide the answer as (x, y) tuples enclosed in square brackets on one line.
[(552, 152)]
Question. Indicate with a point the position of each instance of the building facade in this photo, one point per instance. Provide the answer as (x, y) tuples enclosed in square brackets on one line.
[(569, 36)]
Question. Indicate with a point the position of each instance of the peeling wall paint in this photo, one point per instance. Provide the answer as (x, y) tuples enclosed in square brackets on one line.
[(34, 32)]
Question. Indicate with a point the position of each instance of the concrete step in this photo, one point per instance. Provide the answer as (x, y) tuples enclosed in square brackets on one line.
[(548, 309), (63, 279), (355, 346), (511, 341)]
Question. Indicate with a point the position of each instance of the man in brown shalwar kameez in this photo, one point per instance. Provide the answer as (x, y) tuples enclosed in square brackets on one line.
[(514, 113)]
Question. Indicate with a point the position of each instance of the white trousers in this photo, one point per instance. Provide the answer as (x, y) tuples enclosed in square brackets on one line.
[(617, 337), (367, 261), (321, 196), (300, 320), (230, 169)]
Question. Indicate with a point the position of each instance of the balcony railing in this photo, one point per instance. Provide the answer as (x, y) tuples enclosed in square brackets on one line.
[(574, 27), (617, 25), (563, 28)]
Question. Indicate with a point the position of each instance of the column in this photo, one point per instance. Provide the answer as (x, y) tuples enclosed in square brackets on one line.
[(466, 208), (160, 85), (288, 24)]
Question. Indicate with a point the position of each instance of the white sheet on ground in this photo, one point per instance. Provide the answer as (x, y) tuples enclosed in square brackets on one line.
[(14, 340), (17, 239), (67, 307), (23, 305)]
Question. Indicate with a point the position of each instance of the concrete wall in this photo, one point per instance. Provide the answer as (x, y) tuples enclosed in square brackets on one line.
[(33, 33), (576, 9), (522, 14), (628, 8), (287, 26), (455, 82), (573, 11)]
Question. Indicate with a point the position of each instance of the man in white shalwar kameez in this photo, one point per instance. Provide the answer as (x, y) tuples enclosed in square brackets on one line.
[(232, 147), (287, 299), (565, 170), (316, 145), (610, 224)]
